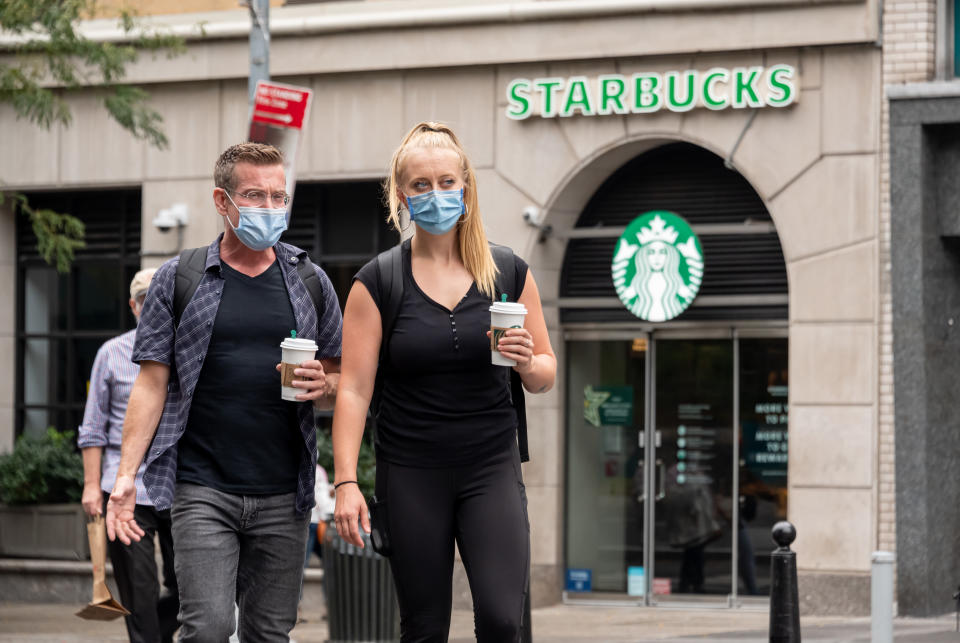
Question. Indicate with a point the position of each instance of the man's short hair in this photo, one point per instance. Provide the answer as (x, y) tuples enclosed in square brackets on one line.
[(253, 153)]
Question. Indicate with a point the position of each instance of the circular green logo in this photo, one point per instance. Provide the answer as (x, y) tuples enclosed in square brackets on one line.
[(657, 266)]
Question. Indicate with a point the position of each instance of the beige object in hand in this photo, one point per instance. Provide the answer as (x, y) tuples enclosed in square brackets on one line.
[(103, 607), (294, 352)]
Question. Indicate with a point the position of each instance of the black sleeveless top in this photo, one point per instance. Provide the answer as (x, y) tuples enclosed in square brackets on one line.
[(442, 402)]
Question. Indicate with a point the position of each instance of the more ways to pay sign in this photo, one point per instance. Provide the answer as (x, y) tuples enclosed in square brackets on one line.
[(677, 91)]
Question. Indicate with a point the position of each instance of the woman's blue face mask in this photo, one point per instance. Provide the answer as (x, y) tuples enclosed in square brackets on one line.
[(437, 211), (259, 228)]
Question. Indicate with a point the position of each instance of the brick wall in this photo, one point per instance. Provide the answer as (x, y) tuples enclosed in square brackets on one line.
[(909, 55)]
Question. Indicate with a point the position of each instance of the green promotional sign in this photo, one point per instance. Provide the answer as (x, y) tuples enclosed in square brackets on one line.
[(657, 266), (608, 405)]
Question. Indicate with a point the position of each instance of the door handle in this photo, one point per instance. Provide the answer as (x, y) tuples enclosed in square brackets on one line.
[(661, 479)]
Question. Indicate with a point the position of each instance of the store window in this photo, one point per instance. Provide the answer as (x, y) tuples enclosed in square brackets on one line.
[(62, 319), (342, 226)]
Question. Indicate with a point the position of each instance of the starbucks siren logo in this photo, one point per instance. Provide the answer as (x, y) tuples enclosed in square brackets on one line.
[(658, 266)]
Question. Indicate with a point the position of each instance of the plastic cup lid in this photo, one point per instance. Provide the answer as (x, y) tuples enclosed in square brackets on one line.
[(508, 308), (299, 344)]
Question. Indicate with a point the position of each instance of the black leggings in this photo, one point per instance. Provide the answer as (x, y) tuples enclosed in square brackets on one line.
[(483, 507)]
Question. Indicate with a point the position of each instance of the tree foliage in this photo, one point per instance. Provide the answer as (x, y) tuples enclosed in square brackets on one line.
[(43, 58), (43, 469)]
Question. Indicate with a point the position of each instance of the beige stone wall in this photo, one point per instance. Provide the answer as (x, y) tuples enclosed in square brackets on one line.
[(909, 48), (8, 292)]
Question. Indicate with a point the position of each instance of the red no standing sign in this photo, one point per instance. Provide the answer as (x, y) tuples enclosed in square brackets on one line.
[(280, 105)]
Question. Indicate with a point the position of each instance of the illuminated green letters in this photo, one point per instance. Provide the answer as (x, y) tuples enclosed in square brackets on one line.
[(648, 92)]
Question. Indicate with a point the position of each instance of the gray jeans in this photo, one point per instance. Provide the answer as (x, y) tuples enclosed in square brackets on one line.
[(243, 549)]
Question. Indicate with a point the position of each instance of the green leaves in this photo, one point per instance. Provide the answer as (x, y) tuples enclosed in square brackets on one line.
[(52, 58), (129, 107), (58, 235), (366, 461), (41, 470)]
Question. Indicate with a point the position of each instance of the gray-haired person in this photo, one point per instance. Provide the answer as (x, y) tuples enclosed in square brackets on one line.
[(153, 614)]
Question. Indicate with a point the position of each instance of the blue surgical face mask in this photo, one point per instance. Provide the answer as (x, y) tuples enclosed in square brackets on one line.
[(437, 211), (259, 228)]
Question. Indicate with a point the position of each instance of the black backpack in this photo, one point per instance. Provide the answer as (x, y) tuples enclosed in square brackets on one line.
[(190, 272), (390, 278)]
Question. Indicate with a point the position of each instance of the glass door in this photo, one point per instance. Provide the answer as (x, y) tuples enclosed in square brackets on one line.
[(676, 465), (694, 438), (605, 473), (762, 481)]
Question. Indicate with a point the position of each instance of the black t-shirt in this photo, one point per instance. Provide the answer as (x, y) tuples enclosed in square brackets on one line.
[(442, 403), (241, 437)]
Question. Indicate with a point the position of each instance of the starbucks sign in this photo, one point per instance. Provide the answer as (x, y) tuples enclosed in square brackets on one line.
[(718, 88), (657, 266)]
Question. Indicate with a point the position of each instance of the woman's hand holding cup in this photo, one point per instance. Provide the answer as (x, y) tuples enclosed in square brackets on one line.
[(517, 344)]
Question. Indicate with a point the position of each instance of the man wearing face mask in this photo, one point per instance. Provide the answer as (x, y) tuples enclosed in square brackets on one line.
[(234, 461), (153, 615)]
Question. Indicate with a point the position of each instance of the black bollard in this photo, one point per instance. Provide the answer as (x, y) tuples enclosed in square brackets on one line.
[(784, 595)]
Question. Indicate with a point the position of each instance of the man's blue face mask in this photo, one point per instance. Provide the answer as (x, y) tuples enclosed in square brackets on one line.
[(259, 228), (437, 211)]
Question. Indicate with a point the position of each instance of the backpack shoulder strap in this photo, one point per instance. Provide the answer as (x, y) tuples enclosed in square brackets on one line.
[(390, 279), (189, 274), (390, 295), (507, 283), (310, 279), (506, 271)]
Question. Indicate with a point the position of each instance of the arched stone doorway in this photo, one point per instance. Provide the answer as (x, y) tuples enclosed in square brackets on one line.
[(676, 432)]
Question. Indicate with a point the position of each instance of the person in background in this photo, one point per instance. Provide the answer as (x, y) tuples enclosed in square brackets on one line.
[(321, 513), (448, 464), (153, 614)]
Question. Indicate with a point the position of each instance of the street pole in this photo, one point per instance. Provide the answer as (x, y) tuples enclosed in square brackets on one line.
[(881, 597), (259, 45)]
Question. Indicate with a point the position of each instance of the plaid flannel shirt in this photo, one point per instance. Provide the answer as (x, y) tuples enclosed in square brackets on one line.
[(184, 349)]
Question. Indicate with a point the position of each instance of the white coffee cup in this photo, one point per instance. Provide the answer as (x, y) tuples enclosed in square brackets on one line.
[(504, 315), (294, 351)]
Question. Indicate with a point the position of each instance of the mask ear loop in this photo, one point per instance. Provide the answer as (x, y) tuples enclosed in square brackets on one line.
[(227, 215)]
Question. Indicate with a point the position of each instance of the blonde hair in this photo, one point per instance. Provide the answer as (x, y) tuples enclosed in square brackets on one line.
[(474, 249)]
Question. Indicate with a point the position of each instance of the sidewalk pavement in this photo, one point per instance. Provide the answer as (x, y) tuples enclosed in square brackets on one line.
[(37, 623)]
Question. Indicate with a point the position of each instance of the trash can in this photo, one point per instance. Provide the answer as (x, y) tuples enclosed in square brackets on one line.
[(361, 597)]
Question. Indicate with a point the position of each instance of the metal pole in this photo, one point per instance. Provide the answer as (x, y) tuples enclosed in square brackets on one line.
[(784, 594), (881, 597), (259, 45)]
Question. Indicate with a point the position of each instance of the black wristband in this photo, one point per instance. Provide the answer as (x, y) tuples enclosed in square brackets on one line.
[(340, 484)]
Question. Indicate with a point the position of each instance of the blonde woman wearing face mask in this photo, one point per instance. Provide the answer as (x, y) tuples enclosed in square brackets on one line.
[(448, 468)]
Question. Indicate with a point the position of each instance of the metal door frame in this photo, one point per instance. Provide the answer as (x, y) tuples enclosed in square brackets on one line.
[(734, 332)]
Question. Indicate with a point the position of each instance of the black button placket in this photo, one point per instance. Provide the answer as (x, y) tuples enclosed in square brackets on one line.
[(453, 331)]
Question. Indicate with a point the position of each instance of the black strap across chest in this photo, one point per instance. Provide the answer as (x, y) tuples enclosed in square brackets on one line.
[(191, 268)]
